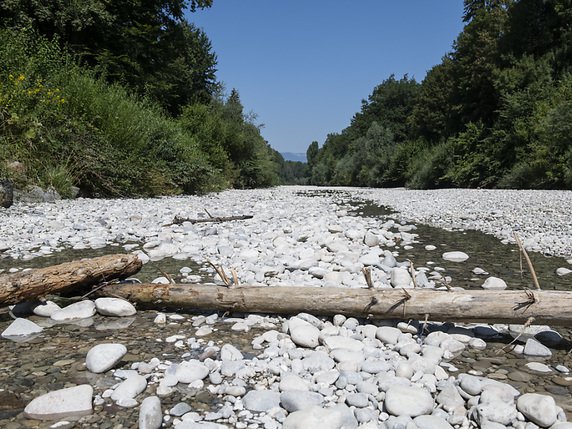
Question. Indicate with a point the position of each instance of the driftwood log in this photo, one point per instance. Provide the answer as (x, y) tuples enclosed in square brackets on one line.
[(507, 306), (178, 220), (26, 285)]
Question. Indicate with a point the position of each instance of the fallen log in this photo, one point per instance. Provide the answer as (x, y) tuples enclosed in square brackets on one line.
[(178, 220), (507, 306), (26, 285)]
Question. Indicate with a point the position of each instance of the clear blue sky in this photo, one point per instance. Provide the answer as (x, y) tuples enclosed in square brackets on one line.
[(303, 66)]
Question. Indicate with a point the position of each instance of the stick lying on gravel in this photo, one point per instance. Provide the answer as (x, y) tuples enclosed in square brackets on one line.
[(514, 306), (180, 220), (25, 285)]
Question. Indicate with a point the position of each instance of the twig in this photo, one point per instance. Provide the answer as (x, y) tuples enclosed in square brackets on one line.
[(221, 274), (167, 276), (367, 274), (235, 280), (412, 271), (529, 322), (528, 261)]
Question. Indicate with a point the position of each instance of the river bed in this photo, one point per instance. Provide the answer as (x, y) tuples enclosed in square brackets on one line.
[(55, 358)]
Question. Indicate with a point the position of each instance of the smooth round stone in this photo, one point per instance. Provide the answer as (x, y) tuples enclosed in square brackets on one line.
[(431, 422), (430, 247), (494, 283), (338, 342), (289, 381), (21, 328), (78, 310), (102, 357), (562, 271), (358, 400), (190, 371), (180, 409), (46, 309), (229, 352), (114, 307), (455, 256), (203, 331), (404, 370), (60, 404), (337, 417), (538, 367), (409, 401), (150, 414), (479, 271), (387, 334), (303, 333), (534, 348), (539, 409), (400, 278), (519, 376), (261, 400), (129, 388), (296, 400)]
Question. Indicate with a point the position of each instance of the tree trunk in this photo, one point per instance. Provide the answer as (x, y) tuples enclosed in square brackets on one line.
[(26, 285), (514, 306)]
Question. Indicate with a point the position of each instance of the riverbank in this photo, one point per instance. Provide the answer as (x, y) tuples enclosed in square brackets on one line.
[(216, 371)]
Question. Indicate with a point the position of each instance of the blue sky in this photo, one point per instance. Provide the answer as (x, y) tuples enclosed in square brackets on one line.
[(303, 66)]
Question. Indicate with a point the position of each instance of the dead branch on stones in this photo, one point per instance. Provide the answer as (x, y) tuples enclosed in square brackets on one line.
[(32, 284), (178, 220), (220, 271), (552, 307)]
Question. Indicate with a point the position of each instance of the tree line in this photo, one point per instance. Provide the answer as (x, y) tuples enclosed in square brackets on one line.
[(496, 112), (121, 99)]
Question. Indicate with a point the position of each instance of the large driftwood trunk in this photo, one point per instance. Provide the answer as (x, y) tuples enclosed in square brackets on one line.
[(22, 286), (514, 306)]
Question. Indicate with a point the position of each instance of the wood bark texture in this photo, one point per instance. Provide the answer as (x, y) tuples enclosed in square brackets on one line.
[(514, 306), (26, 285)]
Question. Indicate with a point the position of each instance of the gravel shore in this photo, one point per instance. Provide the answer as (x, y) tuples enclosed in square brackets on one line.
[(204, 371), (543, 219)]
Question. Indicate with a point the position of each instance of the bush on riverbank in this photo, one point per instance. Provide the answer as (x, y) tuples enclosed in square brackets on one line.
[(62, 126)]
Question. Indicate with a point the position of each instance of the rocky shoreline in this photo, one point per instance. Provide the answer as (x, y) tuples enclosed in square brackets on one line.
[(273, 372)]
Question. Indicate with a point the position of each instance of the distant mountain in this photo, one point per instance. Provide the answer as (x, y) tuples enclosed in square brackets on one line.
[(289, 156)]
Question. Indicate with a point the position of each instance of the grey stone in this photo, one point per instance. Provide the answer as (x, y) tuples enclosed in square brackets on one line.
[(46, 309), (359, 400), (77, 310), (60, 404), (150, 414), (337, 417), (496, 412), (290, 381), (21, 328), (129, 388), (114, 307), (261, 400), (455, 256), (540, 409), (303, 333), (388, 334), (190, 371), (409, 401), (534, 348), (102, 357), (494, 283), (431, 422), (296, 400)]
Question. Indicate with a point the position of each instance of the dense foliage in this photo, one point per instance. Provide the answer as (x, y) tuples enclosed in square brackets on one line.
[(496, 112), (120, 99)]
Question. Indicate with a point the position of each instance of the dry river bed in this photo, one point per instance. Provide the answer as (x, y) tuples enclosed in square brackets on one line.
[(154, 369)]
